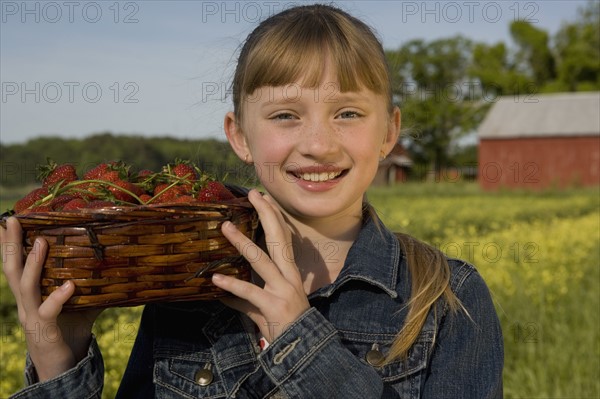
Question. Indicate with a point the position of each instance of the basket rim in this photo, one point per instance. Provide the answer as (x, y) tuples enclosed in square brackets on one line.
[(118, 213)]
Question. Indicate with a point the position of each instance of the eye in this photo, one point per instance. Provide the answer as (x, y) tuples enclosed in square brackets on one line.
[(349, 115), (283, 116)]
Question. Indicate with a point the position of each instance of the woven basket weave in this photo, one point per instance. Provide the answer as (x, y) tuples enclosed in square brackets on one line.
[(129, 256)]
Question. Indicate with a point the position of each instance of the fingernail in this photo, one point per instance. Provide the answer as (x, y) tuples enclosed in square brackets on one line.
[(229, 226), (65, 285), (217, 277)]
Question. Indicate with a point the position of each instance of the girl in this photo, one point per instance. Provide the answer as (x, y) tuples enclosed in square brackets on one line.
[(340, 307)]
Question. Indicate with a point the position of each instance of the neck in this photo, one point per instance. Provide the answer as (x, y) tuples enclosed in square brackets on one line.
[(321, 246)]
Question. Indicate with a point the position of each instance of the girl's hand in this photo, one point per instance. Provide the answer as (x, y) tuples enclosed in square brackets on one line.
[(282, 299), (56, 342)]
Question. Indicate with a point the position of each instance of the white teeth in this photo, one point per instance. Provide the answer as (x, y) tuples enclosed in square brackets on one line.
[(323, 176)]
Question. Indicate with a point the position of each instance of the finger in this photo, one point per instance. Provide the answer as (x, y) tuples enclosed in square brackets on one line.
[(242, 289), (12, 247), (12, 255), (267, 213), (52, 306), (30, 281), (278, 237), (261, 263)]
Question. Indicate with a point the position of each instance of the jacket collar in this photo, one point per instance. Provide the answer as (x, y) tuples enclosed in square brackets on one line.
[(373, 258)]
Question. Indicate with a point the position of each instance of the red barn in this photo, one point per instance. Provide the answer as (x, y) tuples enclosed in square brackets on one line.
[(550, 140), (394, 168)]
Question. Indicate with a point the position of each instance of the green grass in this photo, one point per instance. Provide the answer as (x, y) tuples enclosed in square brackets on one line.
[(540, 256), (538, 252)]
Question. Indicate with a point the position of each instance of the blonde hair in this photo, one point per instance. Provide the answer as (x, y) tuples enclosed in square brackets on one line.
[(296, 44)]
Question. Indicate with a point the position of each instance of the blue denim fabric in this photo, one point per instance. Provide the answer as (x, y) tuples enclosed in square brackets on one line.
[(322, 354)]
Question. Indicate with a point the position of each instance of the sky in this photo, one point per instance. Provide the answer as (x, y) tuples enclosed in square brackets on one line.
[(74, 68)]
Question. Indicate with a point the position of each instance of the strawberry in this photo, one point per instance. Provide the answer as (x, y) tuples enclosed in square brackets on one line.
[(111, 176), (30, 199), (53, 174), (184, 170), (100, 169), (143, 175), (122, 194), (118, 178), (99, 204), (166, 193), (214, 191), (184, 199), (40, 208), (57, 203), (75, 204), (144, 198), (96, 172)]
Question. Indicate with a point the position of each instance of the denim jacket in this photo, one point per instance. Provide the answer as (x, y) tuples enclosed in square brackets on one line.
[(207, 350)]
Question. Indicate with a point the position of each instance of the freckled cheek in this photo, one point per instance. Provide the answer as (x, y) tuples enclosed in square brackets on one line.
[(271, 152)]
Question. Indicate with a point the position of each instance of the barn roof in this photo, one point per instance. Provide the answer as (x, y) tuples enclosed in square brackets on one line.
[(541, 115)]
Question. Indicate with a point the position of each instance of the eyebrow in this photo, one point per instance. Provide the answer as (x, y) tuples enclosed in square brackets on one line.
[(324, 94)]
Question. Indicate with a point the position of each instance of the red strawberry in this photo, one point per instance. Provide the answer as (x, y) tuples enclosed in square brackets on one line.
[(214, 191), (122, 194), (57, 203), (185, 171), (166, 193), (75, 204), (184, 199), (99, 204), (36, 209), (100, 169), (143, 175), (96, 172), (53, 174), (111, 176), (144, 198), (30, 199), (117, 177)]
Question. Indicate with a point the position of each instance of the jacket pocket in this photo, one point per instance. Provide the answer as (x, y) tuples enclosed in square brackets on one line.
[(187, 375), (403, 376)]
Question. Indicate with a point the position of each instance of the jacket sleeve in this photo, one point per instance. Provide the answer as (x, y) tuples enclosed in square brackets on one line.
[(468, 357), (85, 380), (309, 360)]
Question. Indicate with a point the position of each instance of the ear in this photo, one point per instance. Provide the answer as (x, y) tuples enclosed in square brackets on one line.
[(236, 138), (393, 131)]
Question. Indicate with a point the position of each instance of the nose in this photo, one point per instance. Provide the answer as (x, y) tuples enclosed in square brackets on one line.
[(320, 140)]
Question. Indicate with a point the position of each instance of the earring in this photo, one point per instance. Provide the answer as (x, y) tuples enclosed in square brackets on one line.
[(382, 155)]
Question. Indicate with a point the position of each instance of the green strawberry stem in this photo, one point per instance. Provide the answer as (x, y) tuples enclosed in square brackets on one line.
[(72, 187)]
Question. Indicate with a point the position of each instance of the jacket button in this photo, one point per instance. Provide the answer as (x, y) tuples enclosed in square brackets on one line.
[(204, 377), (374, 357)]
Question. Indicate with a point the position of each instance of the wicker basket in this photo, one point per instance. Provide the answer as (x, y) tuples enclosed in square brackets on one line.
[(128, 256)]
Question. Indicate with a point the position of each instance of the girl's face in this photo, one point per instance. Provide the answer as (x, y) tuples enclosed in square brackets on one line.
[(315, 151)]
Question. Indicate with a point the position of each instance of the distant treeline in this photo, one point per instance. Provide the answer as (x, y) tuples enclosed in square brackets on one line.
[(19, 162)]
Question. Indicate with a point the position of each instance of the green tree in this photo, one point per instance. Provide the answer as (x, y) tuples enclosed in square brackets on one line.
[(438, 100), (493, 67), (577, 49), (534, 55)]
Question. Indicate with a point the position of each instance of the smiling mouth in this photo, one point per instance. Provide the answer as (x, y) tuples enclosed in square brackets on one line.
[(319, 177)]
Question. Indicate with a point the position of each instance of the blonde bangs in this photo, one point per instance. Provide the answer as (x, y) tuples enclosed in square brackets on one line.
[(298, 50)]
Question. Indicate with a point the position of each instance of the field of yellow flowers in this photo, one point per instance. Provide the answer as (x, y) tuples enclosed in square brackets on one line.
[(538, 252)]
